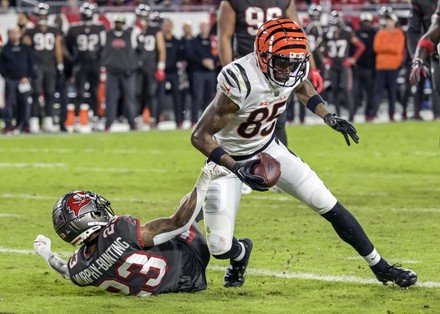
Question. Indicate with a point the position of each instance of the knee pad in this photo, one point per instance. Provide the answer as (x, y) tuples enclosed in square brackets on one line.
[(218, 244)]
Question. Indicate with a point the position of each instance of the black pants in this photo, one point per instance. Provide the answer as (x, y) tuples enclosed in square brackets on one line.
[(385, 79), (146, 87), (363, 89), (173, 80), (21, 102), (44, 85), (87, 73), (342, 89), (118, 85)]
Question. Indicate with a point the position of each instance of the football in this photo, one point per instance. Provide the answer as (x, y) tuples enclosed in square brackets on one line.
[(269, 168)]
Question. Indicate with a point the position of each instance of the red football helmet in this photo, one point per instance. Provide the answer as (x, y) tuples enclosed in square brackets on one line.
[(281, 50)]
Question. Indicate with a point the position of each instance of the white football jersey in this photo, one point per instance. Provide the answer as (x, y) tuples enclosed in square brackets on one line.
[(261, 103)]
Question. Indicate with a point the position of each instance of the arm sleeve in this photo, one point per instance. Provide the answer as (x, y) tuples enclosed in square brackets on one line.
[(59, 265), (166, 236)]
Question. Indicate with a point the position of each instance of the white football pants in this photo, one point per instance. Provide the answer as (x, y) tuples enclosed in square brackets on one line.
[(224, 194)]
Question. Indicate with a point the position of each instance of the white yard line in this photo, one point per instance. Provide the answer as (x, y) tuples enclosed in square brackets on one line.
[(63, 165), (32, 165), (272, 273), (85, 150), (10, 215)]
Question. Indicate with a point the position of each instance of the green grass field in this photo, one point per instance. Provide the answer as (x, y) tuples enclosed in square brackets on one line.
[(390, 181)]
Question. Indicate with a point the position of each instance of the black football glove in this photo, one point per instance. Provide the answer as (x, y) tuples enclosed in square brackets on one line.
[(343, 126), (243, 171)]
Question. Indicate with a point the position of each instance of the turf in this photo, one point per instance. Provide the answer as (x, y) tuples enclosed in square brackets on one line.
[(390, 181)]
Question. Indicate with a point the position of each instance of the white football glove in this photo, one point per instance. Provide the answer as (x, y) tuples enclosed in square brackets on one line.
[(42, 246)]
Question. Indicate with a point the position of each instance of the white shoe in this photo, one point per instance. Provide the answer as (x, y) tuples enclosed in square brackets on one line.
[(245, 189)]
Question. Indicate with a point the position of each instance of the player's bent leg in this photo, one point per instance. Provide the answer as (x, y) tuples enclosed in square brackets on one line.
[(236, 271), (219, 217), (220, 210), (298, 180)]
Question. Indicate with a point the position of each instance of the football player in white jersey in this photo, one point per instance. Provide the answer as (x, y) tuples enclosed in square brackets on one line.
[(239, 123)]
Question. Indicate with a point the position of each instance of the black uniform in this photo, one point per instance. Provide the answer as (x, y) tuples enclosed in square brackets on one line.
[(85, 43), (148, 58), (198, 49), (121, 263), (250, 15), (418, 24), (16, 62), (119, 57), (337, 49), (175, 53), (364, 71), (43, 47)]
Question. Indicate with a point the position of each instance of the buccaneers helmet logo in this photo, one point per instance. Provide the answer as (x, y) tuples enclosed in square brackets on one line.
[(77, 201)]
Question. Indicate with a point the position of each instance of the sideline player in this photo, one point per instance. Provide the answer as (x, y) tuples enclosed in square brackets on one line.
[(426, 15), (119, 254), (85, 41), (239, 123)]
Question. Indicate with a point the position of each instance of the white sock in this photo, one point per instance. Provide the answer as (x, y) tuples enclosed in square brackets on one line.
[(243, 252), (373, 258)]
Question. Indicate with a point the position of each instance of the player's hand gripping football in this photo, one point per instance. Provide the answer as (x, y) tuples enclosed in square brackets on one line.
[(42, 246), (343, 126), (243, 171)]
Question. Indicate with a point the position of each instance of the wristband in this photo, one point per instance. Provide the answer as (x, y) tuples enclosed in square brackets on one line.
[(216, 154), (426, 43), (314, 101)]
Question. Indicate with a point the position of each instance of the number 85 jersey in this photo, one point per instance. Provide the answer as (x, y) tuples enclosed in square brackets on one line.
[(260, 103)]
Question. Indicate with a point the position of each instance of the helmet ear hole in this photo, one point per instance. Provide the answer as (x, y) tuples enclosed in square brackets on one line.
[(263, 55)]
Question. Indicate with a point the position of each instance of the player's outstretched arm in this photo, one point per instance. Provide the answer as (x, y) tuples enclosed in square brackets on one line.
[(307, 96), (42, 246), (162, 230)]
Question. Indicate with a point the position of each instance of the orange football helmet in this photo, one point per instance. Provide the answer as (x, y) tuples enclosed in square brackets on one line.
[(281, 50)]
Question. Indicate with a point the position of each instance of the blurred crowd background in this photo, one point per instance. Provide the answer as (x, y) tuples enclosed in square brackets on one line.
[(110, 65)]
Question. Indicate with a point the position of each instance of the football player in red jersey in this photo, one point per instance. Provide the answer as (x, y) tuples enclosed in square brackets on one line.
[(118, 254), (239, 123)]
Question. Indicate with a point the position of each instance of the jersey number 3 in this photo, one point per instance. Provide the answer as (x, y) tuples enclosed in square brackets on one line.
[(151, 267)]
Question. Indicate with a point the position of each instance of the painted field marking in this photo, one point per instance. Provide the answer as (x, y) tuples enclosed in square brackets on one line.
[(32, 165), (10, 215), (75, 151), (272, 273), (63, 165)]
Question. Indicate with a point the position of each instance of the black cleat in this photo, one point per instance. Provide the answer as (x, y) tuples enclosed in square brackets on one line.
[(236, 271), (400, 276)]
